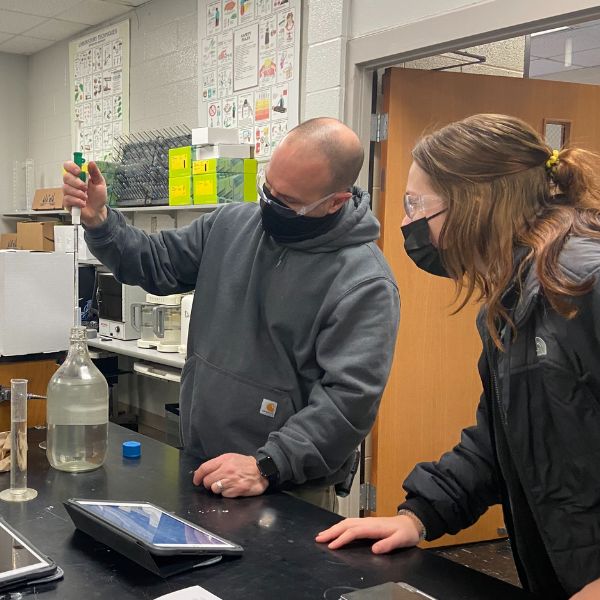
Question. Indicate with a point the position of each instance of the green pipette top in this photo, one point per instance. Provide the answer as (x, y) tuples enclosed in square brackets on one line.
[(79, 160)]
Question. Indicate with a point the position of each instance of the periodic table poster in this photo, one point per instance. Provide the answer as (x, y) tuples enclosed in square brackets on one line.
[(99, 83), (249, 61)]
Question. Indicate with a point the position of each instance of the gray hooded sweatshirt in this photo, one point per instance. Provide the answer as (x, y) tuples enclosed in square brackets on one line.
[(290, 345)]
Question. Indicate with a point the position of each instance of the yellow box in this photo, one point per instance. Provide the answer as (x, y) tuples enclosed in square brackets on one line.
[(205, 188), (224, 165), (180, 161), (180, 190)]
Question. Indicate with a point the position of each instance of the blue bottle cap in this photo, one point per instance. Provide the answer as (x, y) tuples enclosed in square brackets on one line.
[(132, 449)]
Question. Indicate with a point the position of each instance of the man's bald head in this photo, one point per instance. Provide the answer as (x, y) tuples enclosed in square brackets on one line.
[(334, 142)]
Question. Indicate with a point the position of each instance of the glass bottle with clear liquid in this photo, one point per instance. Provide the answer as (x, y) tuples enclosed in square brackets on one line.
[(77, 411)]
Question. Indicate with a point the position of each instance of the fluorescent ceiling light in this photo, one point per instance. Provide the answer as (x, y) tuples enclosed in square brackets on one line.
[(549, 31), (569, 52)]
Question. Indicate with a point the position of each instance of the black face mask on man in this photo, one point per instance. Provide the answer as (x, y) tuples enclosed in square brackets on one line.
[(288, 229), (418, 246)]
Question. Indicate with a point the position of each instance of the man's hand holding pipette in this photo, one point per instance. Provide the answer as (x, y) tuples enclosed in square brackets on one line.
[(89, 195)]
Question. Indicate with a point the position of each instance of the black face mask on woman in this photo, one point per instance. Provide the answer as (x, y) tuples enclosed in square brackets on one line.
[(418, 246)]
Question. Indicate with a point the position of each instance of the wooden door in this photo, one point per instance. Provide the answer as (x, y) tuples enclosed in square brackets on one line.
[(38, 373), (434, 387)]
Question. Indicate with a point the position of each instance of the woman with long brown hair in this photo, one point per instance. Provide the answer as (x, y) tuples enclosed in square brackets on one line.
[(516, 225)]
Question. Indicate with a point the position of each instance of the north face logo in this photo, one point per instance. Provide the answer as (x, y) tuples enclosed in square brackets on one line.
[(540, 347)]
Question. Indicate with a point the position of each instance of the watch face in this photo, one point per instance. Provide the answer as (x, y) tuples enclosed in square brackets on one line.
[(267, 467)]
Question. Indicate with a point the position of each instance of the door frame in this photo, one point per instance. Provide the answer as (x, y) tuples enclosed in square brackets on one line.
[(364, 59), (402, 44)]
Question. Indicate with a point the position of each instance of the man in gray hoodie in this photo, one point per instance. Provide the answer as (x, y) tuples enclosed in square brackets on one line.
[(294, 318)]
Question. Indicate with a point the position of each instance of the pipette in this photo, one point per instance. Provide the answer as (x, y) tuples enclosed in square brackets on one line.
[(76, 222)]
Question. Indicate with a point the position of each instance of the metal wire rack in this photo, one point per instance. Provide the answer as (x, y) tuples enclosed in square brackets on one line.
[(139, 172)]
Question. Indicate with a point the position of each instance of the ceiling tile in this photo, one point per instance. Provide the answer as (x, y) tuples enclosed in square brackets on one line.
[(504, 54), (586, 58), (14, 22), (5, 36), (45, 8), (21, 44), (589, 76), (94, 12), (543, 66), (553, 44), (55, 29)]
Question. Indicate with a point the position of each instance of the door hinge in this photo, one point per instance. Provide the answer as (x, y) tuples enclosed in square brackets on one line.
[(379, 127), (368, 497)]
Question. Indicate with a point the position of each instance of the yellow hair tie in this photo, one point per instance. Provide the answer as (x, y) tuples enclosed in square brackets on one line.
[(552, 160)]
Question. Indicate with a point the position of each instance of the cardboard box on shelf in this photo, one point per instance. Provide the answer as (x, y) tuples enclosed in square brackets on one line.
[(8, 241), (180, 190), (180, 161), (205, 188), (48, 199), (64, 238), (204, 152), (221, 188), (236, 187), (224, 165), (214, 135), (36, 235)]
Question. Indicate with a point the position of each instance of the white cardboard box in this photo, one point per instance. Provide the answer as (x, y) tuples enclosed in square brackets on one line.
[(206, 151), (36, 302), (63, 241), (214, 135)]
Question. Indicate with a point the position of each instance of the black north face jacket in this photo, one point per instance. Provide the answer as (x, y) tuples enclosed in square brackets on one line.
[(536, 445)]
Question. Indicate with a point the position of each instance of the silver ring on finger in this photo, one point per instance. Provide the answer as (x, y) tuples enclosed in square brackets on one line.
[(219, 485)]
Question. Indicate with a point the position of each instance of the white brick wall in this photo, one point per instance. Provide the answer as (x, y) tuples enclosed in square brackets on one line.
[(13, 123), (163, 82), (325, 103), (322, 93), (48, 111), (325, 65)]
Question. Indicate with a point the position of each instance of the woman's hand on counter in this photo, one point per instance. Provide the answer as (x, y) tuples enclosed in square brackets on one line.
[(231, 475), (392, 532)]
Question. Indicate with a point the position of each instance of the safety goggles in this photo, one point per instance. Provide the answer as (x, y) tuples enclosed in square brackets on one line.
[(266, 197), (415, 204)]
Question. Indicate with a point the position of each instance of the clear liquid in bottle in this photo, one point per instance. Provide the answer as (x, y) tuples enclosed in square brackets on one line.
[(77, 415)]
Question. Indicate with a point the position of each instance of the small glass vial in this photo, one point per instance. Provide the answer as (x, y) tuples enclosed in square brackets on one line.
[(77, 411)]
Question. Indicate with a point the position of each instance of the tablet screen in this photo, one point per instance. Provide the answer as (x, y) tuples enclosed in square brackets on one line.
[(153, 525), (15, 556)]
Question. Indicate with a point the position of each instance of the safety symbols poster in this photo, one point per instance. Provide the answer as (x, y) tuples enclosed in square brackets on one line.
[(99, 83), (249, 53)]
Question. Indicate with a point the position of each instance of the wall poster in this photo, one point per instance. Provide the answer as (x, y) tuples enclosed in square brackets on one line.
[(99, 84), (249, 69)]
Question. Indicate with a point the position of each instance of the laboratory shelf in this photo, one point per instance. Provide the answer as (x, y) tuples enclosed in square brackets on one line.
[(130, 348), (35, 213), (166, 208)]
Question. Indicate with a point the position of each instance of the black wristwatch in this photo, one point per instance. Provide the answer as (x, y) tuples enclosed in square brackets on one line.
[(268, 469)]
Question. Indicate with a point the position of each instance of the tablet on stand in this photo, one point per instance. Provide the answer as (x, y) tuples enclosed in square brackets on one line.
[(149, 535)]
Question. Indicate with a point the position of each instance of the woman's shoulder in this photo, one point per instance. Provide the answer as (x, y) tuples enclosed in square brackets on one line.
[(580, 256)]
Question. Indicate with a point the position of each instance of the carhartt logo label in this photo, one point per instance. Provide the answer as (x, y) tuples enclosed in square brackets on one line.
[(540, 347), (268, 408)]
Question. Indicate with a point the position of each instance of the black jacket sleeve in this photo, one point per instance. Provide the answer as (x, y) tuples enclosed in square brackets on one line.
[(452, 493)]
